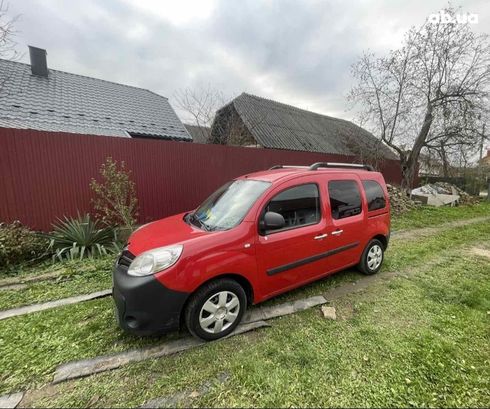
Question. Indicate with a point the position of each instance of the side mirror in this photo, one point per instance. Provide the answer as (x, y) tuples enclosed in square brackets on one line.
[(273, 221)]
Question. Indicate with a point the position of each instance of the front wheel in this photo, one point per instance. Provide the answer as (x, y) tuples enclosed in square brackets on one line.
[(372, 257), (216, 309)]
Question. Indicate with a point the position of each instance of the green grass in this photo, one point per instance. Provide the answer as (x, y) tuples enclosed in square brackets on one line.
[(426, 216), (403, 347), (417, 341), (388, 354), (74, 278), (32, 345)]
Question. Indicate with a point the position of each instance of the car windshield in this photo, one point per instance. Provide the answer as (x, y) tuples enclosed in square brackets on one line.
[(227, 207)]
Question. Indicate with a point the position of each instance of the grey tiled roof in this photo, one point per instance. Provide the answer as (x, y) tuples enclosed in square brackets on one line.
[(200, 134), (281, 126), (74, 103)]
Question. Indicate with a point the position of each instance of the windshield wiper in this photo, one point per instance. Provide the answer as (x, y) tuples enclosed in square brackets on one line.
[(194, 218), (213, 228)]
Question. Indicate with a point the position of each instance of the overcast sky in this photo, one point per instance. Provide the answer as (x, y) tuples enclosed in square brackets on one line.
[(298, 52)]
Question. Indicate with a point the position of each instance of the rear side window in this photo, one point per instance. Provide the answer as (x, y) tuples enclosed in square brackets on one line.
[(345, 198), (375, 195), (299, 205)]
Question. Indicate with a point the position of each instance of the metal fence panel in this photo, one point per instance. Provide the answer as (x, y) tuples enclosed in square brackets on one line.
[(46, 175)]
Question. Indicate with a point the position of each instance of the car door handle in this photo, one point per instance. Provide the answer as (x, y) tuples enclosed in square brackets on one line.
[(321, 236), (337, 232)]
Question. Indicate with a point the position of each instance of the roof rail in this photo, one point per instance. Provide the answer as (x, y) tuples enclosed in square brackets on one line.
[(288, 167), (317, 165)]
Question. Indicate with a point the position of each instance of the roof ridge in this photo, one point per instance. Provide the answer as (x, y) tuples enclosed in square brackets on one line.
[(86, 76)]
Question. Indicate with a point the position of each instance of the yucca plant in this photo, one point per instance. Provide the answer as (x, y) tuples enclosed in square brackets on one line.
[(76, 238)]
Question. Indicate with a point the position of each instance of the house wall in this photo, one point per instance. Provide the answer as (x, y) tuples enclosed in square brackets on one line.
[(46, 175)]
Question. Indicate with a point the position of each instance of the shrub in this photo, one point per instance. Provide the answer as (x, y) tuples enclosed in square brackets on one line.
[(80, 237), (115, 202), (18, 244)]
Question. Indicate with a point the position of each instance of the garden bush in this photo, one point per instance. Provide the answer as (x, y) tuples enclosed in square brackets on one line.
[(115, 199), (18, 244)]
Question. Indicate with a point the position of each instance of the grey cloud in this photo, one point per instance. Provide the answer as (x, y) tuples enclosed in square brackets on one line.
[(299, 52)]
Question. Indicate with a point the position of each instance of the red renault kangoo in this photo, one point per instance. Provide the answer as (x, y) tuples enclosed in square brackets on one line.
[(256, 237)]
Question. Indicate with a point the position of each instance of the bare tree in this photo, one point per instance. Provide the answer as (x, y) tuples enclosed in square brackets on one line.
[(7, 44), (437, 81), (7, 33), (200, 105), (208, 107), (455, 140), (371, 153)]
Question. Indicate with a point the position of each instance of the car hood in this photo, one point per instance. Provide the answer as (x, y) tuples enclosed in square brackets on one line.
[(164, 232)]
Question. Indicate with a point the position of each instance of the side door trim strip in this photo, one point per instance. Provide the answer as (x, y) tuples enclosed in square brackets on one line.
[(311, 259)]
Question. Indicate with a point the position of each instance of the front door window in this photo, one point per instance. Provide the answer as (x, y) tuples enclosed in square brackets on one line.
[(299, 205)]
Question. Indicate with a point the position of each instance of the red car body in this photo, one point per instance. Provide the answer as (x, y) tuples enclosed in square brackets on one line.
[(264, 264)]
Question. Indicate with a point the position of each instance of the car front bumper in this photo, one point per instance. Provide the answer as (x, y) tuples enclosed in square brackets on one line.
[(144, 306)]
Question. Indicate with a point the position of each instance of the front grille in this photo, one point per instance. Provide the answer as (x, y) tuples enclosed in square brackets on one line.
[(125, 259)]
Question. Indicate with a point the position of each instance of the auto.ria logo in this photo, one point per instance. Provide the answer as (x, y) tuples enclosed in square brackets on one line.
[(458, 18)]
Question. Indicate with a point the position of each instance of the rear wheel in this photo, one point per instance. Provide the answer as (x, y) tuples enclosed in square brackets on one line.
[(372, 257), (216, 309)]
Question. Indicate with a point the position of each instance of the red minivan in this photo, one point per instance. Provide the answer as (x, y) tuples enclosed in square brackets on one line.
[(256, 237)]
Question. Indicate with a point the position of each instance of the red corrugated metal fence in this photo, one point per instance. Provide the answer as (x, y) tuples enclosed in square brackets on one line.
[(45, 175)]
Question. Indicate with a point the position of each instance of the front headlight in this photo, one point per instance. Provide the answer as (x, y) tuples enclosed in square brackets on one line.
[(155, 260)]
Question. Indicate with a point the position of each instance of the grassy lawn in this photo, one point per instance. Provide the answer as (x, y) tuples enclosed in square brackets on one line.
[(74, 278), (427, 216), (420, 339)]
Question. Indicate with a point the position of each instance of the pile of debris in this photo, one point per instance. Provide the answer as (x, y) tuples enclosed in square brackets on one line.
[(399, 200), (464, 197), (442, 194)]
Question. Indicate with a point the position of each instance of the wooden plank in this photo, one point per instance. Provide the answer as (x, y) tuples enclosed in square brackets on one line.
[(267, 313), (29, 309), (12, 287), (11, 400), (79, 369), (30, 279)]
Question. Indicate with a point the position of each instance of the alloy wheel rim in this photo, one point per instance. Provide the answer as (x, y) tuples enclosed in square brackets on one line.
[(375, 257), (219, 312)]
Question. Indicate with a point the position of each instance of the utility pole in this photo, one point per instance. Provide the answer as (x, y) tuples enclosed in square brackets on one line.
[(482, 142), (481, 167), (488, 189)]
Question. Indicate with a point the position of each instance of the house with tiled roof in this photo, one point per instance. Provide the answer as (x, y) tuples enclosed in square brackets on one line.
[(249, 120), (199, 133), (33, 96)]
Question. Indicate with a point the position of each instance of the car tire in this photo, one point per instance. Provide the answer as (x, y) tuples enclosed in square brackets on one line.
[(215, 309), (372, 257)]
